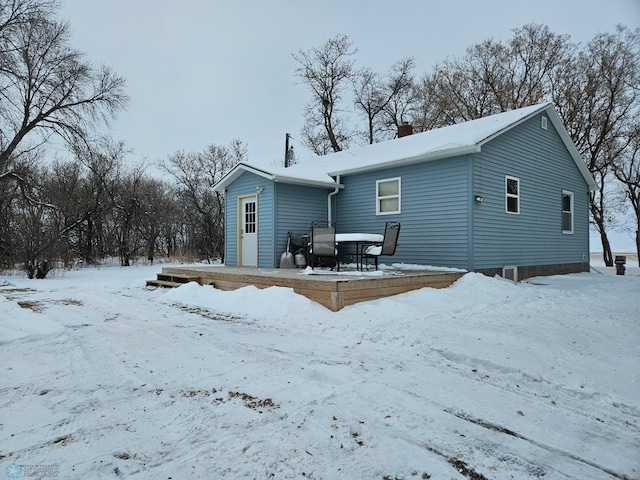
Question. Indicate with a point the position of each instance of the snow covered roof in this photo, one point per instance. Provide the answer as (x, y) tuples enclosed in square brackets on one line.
[(450, 141), (314, 177)]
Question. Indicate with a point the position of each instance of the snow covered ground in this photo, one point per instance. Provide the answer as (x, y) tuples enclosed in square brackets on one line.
[(103, 378)]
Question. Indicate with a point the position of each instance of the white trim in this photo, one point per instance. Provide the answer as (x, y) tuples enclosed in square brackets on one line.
[(571, 211), (379, 198), (241, 168), (508, 195), (556, 121), (240, 223)]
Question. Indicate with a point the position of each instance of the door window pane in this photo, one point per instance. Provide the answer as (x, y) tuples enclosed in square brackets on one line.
[(250, 217)]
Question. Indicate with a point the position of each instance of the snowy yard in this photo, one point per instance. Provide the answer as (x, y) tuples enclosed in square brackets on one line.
[(103, 378)]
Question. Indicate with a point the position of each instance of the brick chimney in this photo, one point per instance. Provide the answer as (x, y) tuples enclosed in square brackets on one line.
[(405, 129)]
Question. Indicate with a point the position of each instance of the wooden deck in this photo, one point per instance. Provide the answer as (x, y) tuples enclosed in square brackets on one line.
[(333, 290)]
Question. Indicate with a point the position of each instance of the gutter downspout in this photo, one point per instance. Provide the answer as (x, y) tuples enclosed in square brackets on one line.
[(335, 191)]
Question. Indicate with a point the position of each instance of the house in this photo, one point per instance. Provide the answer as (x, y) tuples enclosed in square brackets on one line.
[(506, 194)]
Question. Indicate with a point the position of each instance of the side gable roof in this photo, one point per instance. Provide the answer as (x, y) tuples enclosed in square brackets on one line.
[(311, 177), (571, 148), (450, 141)]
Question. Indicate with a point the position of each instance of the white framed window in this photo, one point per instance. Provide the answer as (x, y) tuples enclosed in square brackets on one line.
[(543, 122), (567, 212), (512, 194), (388, 196)]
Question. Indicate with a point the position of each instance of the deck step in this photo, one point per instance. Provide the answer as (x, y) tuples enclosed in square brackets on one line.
[(163, 283), (177, 277)]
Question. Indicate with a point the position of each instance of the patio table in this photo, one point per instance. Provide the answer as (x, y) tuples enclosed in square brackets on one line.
[(357, 239)]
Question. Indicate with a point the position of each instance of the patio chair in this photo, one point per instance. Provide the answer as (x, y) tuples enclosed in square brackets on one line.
[(322, 250), (386, 248)]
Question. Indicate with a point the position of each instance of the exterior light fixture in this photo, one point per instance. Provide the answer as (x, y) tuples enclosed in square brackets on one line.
[(479, 198), (259, 189)]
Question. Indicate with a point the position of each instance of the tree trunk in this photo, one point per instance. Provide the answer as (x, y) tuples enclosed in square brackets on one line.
[(330, 133), (607, 256), (88, 256), (596, 200), (151, 248), (124, 257), (123, 248)]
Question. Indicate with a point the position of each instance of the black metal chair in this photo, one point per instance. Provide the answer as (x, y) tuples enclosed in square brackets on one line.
[(323, 250), (386, 248)]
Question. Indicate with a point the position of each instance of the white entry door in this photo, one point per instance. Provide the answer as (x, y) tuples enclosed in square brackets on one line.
[(249, 232)]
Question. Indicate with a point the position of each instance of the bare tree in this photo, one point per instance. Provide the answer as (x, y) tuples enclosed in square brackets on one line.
[(15, 12), (459, 90), (127, 212), (203, 209), (494, 77), (102, 163), (327, 71), (39, 228), (594, 87), (92, 207), (117, 204), (36, 230), (374, 94), (64, 186), (627, 171), (534, 57), (8, 194), (368, 98), (121, 210), (46, 87), (598, 98), (157, 213)]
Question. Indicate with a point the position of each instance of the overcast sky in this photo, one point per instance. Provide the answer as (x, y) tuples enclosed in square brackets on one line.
[(203, 72)]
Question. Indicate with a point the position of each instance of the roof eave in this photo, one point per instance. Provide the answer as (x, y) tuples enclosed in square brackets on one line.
[(564, 136), (235, 172), (543, 106), (240, 168), (571, 148), (306, 182), (399, 162)]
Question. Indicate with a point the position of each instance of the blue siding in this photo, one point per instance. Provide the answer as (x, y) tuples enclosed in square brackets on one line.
[(441, 224), (230, 229), (298, 206), (534, 237), (247, 184), (434, 211)]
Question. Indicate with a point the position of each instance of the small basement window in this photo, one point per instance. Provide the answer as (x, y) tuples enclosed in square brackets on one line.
[(510, 272), (512, 194), (567, 212), (388, 196)]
